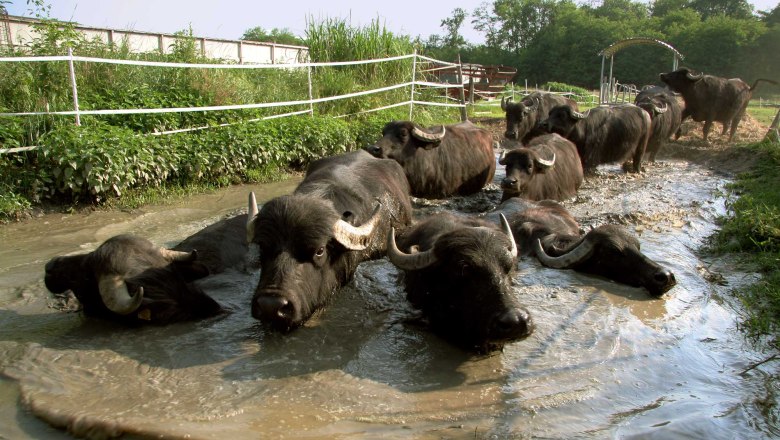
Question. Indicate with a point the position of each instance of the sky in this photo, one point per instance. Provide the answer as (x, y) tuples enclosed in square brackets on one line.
[(230, 18)]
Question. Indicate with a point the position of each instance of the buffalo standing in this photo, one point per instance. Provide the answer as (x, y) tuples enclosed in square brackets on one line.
[(603, 134), (548, 230), (459, 272), (548, 168), (711, 98), (455, 160), (311, 242), (666, 114)]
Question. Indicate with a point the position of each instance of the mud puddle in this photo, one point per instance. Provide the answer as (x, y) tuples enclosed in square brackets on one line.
[(606, 360)]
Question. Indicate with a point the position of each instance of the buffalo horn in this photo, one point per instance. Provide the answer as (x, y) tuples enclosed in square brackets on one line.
[(412, 261), (659, 110), (578, 115), (543, 163), (429, 137), (504, 103), (172, 255), (508, 231), (693, 77), (252, 212), (576, 254), (356, 238), (501, 157), (114, 293)]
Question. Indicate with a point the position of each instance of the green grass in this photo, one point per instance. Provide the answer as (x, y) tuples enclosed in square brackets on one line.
[(752, 231), (764, 115)]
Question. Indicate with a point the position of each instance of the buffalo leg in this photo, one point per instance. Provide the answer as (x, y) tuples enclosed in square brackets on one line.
[(706, 130)]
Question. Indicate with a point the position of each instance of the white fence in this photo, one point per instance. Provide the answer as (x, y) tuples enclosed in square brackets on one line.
[(19, 32), (420, 66)]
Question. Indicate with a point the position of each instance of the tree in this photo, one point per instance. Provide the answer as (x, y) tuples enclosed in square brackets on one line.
[(452, 26), (729, 8), (513, 24), (275, 35)]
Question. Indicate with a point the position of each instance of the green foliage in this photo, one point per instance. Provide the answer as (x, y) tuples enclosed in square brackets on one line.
[(275, 35)]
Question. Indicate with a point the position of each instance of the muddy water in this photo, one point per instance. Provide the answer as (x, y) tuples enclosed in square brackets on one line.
[(606, 360)]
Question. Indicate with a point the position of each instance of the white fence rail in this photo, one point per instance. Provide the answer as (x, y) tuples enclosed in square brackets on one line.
[(415, 86)]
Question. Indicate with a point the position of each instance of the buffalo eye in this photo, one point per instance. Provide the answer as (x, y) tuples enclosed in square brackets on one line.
[(463, 268), (320, 251)]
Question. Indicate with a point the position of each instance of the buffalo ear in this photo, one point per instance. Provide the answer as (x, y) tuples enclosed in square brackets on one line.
[(430, 145), (192, 271)]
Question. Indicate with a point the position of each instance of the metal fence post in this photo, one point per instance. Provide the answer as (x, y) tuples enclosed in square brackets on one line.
[(311, 96), (463, 114), (73, 85), (414, 78)]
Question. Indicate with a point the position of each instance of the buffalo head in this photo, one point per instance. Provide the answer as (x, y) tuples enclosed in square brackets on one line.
[(561, 120), (400, 139), (303, 244), (608, 251), (521, 165), (459, 272), (681, 79), (126, 274), (516, 114)]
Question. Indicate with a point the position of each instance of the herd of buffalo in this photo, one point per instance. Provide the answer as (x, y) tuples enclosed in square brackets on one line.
[(457, 269)]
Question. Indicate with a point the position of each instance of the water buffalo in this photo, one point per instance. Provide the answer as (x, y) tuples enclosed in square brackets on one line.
[(666, 114), (129, 279), (711, 98), (548, 168), (551, 233), (522, 117), (310, 242), (603, 134), (455, 159), (458, 271)]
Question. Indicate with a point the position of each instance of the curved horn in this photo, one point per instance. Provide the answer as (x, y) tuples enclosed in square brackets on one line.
[(503, 103), (172, 255), (544, 164), (413, 261), (576, 254), (113, 292), (532, 109), (693, 77), (501, 157), (577, 115), (356, 238), (659, 110), (508, 231), (252, 212), (429, 137)]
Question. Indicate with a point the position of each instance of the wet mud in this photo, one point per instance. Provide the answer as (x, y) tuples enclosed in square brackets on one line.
[(606, 360)]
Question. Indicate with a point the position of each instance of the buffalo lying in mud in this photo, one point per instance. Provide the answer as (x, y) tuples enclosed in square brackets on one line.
[(522, 117), (711, 98), (603, 134), (453, 160), (548, 168), (548, 230), (666, 114), (128, 279), (310, 242), (458, 271)]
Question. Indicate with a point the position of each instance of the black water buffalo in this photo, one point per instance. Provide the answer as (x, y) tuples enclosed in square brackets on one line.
[(551, 233), (128, 279), (522, 117), (548, 168), (458, 271), (456, 159), (666, 113), (311, 241), (711, 98), (603, 134)]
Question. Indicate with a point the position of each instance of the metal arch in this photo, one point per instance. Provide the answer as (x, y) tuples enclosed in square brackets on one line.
[(608, 83), (622, 44)]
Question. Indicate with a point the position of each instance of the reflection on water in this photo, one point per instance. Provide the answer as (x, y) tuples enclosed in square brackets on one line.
[(606, 360)]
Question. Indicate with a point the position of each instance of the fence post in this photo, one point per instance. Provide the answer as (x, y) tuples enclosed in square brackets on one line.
[(311, 96), (73, 86), (463, 114), (414, 78)]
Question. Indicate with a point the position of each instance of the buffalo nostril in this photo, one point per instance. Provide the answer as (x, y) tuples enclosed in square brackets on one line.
[(509, 181), (273, 307), (664, 277), (513, 324), (510, 135)]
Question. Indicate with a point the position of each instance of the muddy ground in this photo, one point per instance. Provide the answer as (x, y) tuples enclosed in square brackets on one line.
[(606, 360)]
